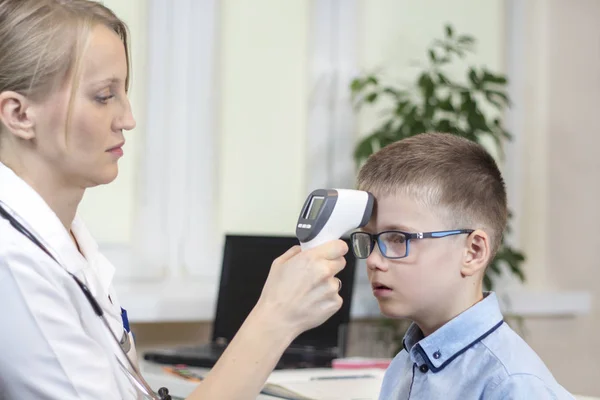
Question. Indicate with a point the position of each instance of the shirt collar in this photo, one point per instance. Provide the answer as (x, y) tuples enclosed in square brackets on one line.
[(456, 336), (30, 209)]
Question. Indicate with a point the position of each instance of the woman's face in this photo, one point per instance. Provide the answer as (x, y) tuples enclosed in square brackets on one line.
[(85, 153)]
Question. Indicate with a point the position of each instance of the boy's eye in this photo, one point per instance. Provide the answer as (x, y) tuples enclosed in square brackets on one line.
[(396, 238)]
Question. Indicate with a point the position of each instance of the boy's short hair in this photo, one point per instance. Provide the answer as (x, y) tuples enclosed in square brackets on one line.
[(454, 176)]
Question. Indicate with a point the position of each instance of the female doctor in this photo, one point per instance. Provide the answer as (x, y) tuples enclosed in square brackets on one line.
[(64, 72)]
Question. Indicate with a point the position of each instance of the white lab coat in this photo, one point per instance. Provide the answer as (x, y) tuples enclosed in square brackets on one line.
[(52, 344)]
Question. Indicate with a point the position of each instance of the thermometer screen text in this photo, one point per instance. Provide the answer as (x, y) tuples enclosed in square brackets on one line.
[(313, 209)]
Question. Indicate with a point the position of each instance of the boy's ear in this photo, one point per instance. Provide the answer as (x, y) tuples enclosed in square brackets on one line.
[(477, 253), (16, 114)]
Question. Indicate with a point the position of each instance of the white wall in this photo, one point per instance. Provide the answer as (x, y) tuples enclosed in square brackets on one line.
[(264, 94), (561, 188)]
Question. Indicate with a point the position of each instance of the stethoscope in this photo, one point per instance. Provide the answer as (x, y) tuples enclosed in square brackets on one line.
[(135, 377)]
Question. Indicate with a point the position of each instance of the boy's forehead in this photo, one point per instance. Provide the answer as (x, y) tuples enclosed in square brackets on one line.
[(400, 211)]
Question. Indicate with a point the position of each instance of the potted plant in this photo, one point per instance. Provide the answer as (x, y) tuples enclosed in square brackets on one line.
[(435, 102)]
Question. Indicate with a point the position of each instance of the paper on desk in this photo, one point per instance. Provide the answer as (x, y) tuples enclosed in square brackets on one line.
[(301, 385)]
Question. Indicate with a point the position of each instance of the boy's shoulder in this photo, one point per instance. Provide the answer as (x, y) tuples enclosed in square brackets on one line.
[(517, 367), (512, 353), (476, 353)]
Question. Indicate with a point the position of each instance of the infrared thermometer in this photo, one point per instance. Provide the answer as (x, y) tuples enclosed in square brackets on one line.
[(328, 214)]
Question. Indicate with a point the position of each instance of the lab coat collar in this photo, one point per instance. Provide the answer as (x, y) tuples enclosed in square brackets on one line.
[(104, 270), (33, 212), (30, 209)]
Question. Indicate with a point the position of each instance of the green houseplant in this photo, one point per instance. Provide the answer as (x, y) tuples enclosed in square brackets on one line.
[(435, 102)]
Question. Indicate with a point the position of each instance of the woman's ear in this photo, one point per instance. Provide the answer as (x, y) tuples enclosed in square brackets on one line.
[(16, 115), (477, 253)]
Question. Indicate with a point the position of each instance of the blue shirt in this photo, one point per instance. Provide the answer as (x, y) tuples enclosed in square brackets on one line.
[(474, 356)]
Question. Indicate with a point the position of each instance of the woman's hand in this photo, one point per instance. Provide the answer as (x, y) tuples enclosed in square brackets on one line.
[(301, 291)]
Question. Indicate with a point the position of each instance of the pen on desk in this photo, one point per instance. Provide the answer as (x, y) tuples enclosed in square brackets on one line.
[(183, 372), (323, 378)]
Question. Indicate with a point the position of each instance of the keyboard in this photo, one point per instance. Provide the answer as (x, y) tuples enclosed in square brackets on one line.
[(205, 356)]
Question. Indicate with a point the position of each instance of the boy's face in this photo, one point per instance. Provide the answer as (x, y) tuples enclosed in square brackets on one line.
[(424, 284)]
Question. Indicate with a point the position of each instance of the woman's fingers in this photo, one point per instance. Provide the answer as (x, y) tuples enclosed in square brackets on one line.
[(302, 288)]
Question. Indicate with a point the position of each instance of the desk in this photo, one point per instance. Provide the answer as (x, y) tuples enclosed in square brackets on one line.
[(179, 387), (301, 380), (157, 378)]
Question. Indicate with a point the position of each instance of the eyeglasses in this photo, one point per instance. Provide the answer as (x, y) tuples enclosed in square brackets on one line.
[(393, 244)]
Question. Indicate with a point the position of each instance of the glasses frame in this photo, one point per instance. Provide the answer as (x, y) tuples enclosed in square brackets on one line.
[(409, 236)]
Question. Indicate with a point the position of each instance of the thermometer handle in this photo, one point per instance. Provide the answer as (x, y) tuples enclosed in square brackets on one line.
[(316, 242)]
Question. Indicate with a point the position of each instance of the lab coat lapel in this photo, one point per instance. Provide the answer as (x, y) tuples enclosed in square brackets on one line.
[(99, 273), (102, 269), (33, 212)]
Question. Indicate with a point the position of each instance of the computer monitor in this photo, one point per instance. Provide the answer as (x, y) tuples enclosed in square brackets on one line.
[(246, 263)]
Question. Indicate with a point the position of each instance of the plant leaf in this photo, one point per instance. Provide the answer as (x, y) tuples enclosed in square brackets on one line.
[(427, 86), (467, 105), (371, 97), (357, 85), (449, 31), (395, 93), (474, 78), (445, 126), (446, 104), (466, 39), (490, 97), (401, 107), (498, 95), (499, 130), (498, 79), (443, 79), (372, 80), (432, 56), (477, 121)]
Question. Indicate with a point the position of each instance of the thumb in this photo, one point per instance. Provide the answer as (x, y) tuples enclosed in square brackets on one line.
[(331, 250), (285, 257)]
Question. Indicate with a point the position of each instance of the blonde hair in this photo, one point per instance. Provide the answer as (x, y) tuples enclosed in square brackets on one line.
[(455, 177), (42, 42)]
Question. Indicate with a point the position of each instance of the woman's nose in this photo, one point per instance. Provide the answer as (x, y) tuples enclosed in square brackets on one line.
[(126, 121)]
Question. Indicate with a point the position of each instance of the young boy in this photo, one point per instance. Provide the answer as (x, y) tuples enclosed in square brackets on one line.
[(439, 218)]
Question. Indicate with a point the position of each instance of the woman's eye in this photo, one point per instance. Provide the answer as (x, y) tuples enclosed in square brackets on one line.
[(104, 99)]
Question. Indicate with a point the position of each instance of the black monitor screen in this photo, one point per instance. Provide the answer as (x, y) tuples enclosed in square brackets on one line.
[(246, 264)]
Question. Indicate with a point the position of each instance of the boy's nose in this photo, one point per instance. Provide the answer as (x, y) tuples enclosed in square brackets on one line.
[(376, 261)]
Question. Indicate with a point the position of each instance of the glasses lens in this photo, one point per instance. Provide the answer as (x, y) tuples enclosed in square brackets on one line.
[(361, 244), (392, 244)]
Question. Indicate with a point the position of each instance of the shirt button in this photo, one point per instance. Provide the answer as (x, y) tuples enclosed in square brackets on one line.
[(437, 355), (424, 368)]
